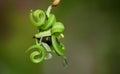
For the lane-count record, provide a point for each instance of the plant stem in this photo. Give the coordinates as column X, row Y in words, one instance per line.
column 48, row 10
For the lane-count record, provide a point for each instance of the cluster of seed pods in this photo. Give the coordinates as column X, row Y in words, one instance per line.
column 50, row 31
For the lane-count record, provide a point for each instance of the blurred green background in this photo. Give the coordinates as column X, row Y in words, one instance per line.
column 92, row 37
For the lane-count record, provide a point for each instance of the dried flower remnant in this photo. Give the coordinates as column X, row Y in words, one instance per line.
column 55, row 2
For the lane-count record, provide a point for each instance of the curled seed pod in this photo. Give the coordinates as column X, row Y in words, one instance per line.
column 43, row 34
column 55, row 2
column 40, row 53
column 57, row 28
column 51, row 20
column 58, row 47
column 37, row 17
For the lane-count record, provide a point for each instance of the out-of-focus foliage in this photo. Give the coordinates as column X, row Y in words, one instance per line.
column 92, row 37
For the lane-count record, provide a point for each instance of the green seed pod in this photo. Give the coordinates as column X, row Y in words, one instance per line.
column 57, row 28
column 58, row 47
column 40, row 53
column 43, row 34
column 37, row 17
column 51, row 20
